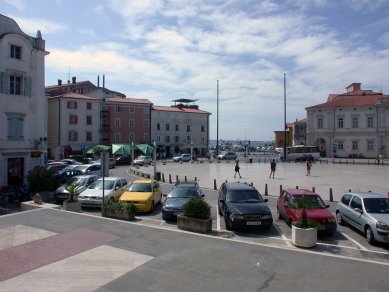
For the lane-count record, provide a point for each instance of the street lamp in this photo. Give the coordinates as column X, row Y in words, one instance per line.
column 132, row 154
column 191, row 151
column 284, row 157
column 155, row 160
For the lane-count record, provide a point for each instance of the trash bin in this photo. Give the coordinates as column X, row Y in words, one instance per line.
column 157, row 176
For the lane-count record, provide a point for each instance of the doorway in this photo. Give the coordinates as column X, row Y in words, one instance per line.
column 15, row 171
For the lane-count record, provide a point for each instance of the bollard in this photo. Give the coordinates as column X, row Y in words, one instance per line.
column 251, row 184
column 170, row 178
column 259, row 160
column 195, row 178
column 163, row 177
column 346, row 161
column 349, row 190
column 176, row 178
column 214, row 184
column 353, row 161
column 368, row 162
column 313, row 189
column 297, row 187
column 185, row 179
column 280, row 189
column 266, row 193
column 331, row 197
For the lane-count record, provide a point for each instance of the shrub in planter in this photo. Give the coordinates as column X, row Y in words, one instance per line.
column 118, row 210
column 40, row 179
column 196, row 208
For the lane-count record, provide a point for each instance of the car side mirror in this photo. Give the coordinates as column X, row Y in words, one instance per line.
column 165, row 195
column 202, row 195
column 327, row 206
column 265, row 200
column 221, row 200
column 358, row 210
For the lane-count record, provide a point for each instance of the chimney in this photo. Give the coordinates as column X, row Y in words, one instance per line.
column 353, row 87
column 74, row 80
column 98, row 80
column 59, row 82
column 103, row 80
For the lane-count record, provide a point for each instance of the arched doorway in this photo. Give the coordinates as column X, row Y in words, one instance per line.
column 322, row 147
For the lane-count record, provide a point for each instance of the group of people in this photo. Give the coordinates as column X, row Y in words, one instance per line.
column 273, row 166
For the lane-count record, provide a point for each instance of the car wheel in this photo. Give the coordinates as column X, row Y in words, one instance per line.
column 289, row 222
column 228, row 224
column 279, row 214
column 339, row 218
column 369, row 235
column 219, row 210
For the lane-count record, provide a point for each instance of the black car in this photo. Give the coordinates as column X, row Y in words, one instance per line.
column 243, row 207
column 123, row 160
column 181, row 193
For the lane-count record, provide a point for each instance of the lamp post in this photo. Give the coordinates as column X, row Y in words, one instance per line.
column 191, row 151
column 132, row 153
column 284, row 157
column 155, row 160
column 217, row 118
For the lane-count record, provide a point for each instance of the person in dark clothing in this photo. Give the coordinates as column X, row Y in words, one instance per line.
column 273, row 166
column 237, row 167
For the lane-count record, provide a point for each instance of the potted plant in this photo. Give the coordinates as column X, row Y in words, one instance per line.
column 304, row 231
column 118, row 210
column 196, row 216
column 72, row 203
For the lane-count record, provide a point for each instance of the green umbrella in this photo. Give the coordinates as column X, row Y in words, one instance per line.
column 146, row 149
column 121, row 149
column 93, row 148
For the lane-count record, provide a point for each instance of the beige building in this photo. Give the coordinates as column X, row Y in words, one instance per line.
column 351, row 124
column 23, row 105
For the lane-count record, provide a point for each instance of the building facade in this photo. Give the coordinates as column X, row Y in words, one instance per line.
column 352, row 124
column 300, row 132
column 23, row 105
column 180, row 129
column 74, row 124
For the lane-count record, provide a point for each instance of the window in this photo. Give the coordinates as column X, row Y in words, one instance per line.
column 177, row 128
column 355, row 122
column 158, row 126
column 188, row 139
column 117, row 122
column 132, row 123
column 131, row 137
column 72, row 104
column 355, row 145
column 16, row 52
column 73, row 119
column 146, row 137
column 202, row 128
column 356, row 202
column 340, row 145
column 15, row 127
column 340, row 123
column 131, row 109
column 117, row 109
column 188, row 128
column 320, row 123
column 88, row 136
column 146, row 123
column 167, row 127
column 117, row 137
column 73, row 136
column 158, row 138
column 167, row 139
column 89, row 120
column 346, row 199
column 88, row 105
column 176, row 139
column 15, row 84
column 146, row 111
column 370, row 145
column 370, row 122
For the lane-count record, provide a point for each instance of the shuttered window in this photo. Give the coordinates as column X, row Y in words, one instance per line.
column 15, row 127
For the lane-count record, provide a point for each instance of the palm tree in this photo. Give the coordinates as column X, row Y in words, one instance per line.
column 72, row 190
column 304, row 204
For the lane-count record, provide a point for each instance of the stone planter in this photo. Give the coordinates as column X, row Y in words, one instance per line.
column 304, row 237
column 117, row 214
column 194, row 224
column 72, row 206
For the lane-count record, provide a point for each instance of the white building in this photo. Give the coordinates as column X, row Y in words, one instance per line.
column 177, row 129
column 74, row 124
column 23, row 105
column 352, row 124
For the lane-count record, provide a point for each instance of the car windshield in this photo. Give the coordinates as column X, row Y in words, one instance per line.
column 377, row 205
column 98, row 185
column 77, row 180
column 183, row 193
column 139, row 187
column 315, row 201
column 82, row 167
column 244, row 196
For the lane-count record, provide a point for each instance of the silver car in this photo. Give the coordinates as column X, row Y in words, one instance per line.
column 368, row 212
column 83, row 181
column 143, row 160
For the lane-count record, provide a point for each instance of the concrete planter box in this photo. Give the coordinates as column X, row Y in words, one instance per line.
column 194, row 224
column 72, row 206
column 117, row 214
column 304, row 237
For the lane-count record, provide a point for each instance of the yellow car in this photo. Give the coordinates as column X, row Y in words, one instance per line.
column 144, row 194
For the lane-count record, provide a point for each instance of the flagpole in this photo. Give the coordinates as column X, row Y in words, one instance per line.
column 285, row 126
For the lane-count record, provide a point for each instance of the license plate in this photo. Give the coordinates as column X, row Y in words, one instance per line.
column 253, row 223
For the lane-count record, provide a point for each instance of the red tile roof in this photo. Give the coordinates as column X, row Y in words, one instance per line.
column 348, row 100
column 179, row 109
column 130, row 100
column 73, row 95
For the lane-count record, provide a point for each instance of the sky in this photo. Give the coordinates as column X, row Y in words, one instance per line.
column 164, row 50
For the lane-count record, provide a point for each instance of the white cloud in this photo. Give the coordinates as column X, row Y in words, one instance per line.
column 32, row 25
column 18, row 4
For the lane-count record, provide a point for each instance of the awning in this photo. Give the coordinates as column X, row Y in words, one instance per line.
column 121, row 149
column 94, row 148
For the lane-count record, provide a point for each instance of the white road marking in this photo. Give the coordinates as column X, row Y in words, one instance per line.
column 354, row 241
column 283, row 236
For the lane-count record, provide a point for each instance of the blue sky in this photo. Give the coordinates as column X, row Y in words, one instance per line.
column 165, row 50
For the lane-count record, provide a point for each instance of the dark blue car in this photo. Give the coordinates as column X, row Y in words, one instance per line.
column 181, row 193
column 243, row 207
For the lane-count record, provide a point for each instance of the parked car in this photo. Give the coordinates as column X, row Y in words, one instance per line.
column 55, row 166
column 143, row 160
column 227, row 156
column 181, row 193
column 65, row 175
column 243, row 207
column 367, row 212
column 182, row 157
column 304, row 157
column 90, row 168
column 145, row 194
column 70, row 161
column 83, row 181
column 123, row 160
column 111, row 187
column 319, row 211
column 111, row 161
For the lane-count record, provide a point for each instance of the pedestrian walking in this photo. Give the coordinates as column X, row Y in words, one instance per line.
column 273, row 166
column 237, row 167
column 309, row 164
